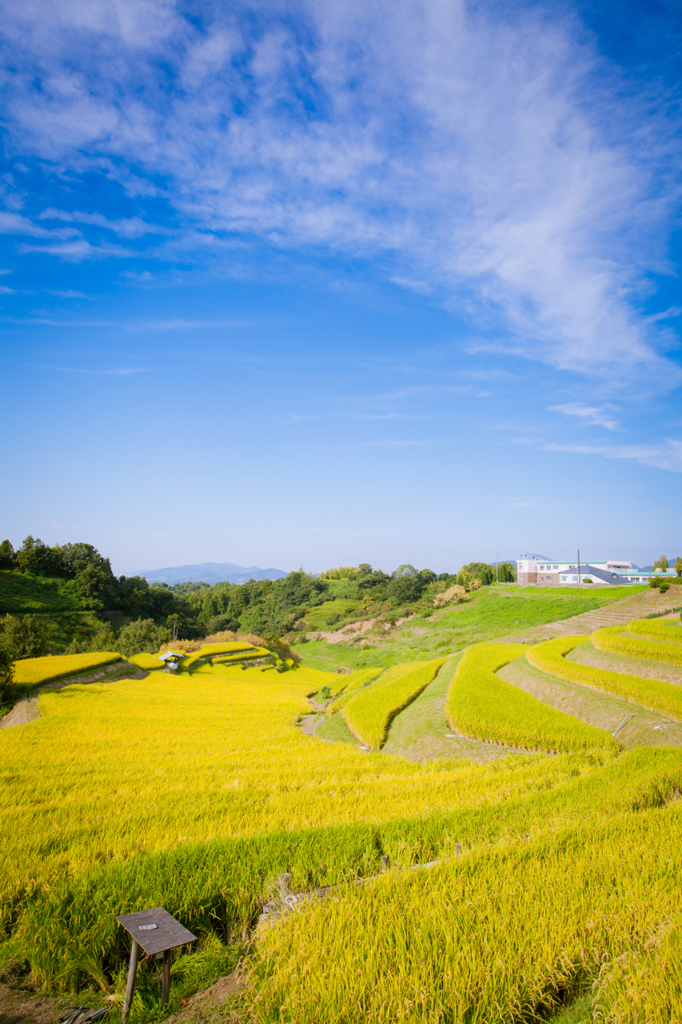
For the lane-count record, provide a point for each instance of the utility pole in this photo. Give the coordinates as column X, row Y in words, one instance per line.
column 578, row 565
column 497, row 560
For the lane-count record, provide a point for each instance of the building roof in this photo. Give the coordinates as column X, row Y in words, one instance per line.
column 591, row 570
column 167, row 655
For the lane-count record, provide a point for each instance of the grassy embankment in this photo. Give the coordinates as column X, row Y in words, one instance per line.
column 493, row 612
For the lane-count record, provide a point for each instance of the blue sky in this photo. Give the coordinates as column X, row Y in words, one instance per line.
column 316, row 284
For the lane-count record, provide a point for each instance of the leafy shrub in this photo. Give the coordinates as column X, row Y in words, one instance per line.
column 454, row 594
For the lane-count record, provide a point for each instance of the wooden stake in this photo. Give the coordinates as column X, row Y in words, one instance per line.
column 165, row 984
column 130, row 987
column 385, row 862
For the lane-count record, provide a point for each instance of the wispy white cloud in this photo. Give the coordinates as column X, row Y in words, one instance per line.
column 183, row 325
column 79, row 250
column 68, row 294
column 129, row 227
column 487, row 157
column 28, row 321
column 589, row 414
column 123, row 372
column 666, row 454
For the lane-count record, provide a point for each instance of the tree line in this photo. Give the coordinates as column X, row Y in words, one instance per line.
column 134, row 615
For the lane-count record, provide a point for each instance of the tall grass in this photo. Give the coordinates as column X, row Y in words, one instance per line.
column 651, row 693
column 369, row 712
column 613, row 638
column 483, row 706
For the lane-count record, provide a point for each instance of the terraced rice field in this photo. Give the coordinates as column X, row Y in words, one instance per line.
column 557, row 843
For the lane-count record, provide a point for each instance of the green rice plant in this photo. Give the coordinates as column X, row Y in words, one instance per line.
column 369, row 712
column 613, row 639
column 501, row 935
column 483, row 706
column 668, row 631
column 31, row 672
column 656, row 694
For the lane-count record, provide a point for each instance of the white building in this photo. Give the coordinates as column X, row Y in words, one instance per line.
column 547, row 572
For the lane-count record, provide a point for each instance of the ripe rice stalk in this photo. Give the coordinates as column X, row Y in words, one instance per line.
column 656, row 694
column 483, row 706
column 615, row 639
column 34, row 671
column 369, row 712
column 671, row 632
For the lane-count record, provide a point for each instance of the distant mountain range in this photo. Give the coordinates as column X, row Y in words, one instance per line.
column 210, row 572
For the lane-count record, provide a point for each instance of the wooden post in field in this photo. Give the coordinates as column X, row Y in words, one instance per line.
column 385, row 862
column 458, row 849
column 165, row 984
column 130, row 987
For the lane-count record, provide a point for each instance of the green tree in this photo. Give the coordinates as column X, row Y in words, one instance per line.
column 133, row 593
column 143, row 635
column 24, row 637
column 506, row 572
column 478, row 571
column 6, row 555
column 37, row 558
column 406, row 585
column 7, row 689
column 662, row 563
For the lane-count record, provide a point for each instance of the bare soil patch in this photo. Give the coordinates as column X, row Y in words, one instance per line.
column 22, row 1006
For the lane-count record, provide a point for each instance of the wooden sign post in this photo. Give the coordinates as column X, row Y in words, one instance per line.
column 154, row 931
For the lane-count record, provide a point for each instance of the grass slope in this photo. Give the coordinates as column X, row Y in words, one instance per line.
column 495, row 611
column 21, row 594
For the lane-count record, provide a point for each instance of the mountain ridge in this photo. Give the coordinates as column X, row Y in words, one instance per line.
column 210, row 572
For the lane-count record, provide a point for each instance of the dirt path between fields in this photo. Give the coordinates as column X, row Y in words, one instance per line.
column 210, row 1006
